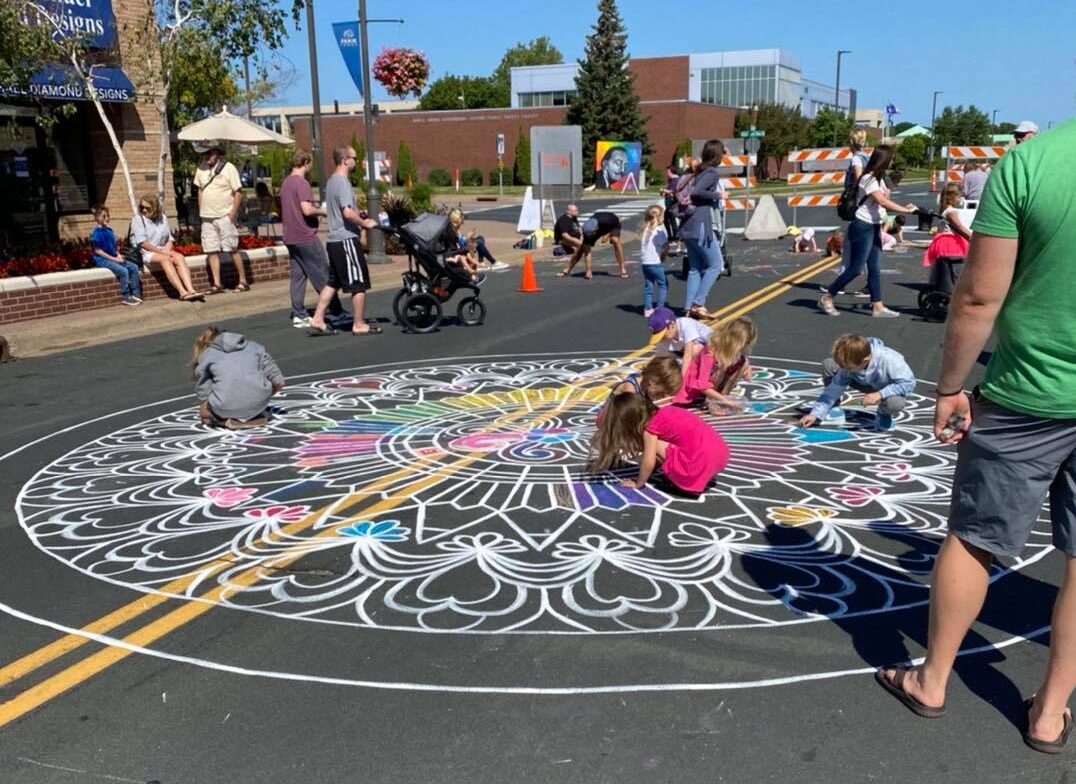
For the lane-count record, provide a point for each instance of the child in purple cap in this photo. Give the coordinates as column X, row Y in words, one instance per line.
column 684, row 336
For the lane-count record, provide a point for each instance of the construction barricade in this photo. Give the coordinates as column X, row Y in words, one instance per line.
column 964, row 154
column 739, row 163
column 825, row 166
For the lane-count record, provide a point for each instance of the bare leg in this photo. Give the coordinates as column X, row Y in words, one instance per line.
column 961, row 578
column 618, row 251
column 358, row 308
column 214, row 269
column 237, row 260
column 588, row 259
column 1047, row 714
column 317, row 321
column 183, row 271
column 169, row 267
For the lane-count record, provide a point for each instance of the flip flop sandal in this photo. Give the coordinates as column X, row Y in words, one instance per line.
column 242, row 287
column 318, row 332
column 373, row 330
column 1047, row 746
column 193, row 297
column 562, row 273
column 624, row 276
column 215, row 290
column 907, row 700
column 588, row 277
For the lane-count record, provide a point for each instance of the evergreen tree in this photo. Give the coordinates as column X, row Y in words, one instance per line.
column 605, row 102
column 406, row 173
column 357, row 178
column 521, row 171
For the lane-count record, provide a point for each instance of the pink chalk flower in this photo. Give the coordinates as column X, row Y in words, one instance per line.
column 282, row 514
column 854, row 495
column 227, row 497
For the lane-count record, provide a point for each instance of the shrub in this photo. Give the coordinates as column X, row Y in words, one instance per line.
column 406, row 173
column 440, row 178
column 521, row 169
column 507, row 177
column 399, row 209
column 422, row 197
column 471, row 177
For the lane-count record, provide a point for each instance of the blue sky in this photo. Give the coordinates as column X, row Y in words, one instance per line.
column 1017, row 57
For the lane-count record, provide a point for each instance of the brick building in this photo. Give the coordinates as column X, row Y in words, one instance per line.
column 51, row 180
column 467, row 138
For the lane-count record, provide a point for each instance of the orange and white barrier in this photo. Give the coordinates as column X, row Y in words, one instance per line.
column 954, row 175
column 734, row 205
column 816, row 178
column 736, row 183
column 823, row 154
column 818, row 200
column 974, row 153
column 739, row 161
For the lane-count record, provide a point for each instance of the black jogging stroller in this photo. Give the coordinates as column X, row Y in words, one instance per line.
column 429, row 281
column 944, row 272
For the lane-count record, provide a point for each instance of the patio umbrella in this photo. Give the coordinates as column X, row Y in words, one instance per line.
column 228, row 127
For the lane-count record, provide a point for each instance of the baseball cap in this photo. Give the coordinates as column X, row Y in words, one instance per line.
column 1026, row 126
column 660, row 319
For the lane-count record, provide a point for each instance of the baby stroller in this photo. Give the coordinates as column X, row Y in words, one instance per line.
column 945, row 257
column 721, row 235
column 428, row 281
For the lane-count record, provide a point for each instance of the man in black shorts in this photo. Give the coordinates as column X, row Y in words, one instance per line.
column 347, row 263
column 598, row 226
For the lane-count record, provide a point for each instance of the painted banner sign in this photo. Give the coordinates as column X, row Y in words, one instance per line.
column 91, row 20
column 347, row 38
column 56, row 83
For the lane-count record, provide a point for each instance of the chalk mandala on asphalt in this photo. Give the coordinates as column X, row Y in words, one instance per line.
column 451, row 497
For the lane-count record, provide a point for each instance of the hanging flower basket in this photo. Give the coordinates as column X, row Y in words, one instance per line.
column 402, row 71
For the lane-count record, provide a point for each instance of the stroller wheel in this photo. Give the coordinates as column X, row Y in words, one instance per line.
column 421, row 312
column 396, row 302
column 727, row 273
column 471, row 312
column 934, row 305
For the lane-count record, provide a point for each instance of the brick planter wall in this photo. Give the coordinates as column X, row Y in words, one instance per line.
column 56, row 293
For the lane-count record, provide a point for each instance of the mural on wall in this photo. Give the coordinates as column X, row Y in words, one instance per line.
column 449, row 497
column 617, row 165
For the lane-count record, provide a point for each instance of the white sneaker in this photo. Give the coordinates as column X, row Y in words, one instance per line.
column 885, row 313
column 136, row 300
column 131, row 301
column 500, row 265
column 300, row 322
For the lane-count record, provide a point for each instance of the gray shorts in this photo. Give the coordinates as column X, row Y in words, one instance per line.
column 1006, row 465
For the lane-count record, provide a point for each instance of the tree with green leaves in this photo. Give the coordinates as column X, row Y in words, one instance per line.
column 831, row 128
column 786, row 130
column 521, row 168
column 459, row 92
column 1005, row 127
column 911, row 153
column 24, row 48
column 540, row 51
column 960, row 126
column 605, row 103
column 358, row 176
column 406, row 173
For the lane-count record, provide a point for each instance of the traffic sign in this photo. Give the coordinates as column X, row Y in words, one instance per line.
column 500, row 144
column 754, row 133
column 752, row 145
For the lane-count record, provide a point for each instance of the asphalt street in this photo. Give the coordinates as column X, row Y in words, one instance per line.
column 406, row 578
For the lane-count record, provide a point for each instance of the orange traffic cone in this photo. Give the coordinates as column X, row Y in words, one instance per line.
column 529, row 285
column 933, row 180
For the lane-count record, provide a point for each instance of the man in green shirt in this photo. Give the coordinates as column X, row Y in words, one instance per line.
column 1017, row 433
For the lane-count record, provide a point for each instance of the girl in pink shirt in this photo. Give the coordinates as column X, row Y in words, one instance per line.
column 688, row 450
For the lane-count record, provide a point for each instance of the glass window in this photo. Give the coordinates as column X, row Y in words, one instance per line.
column 525, row 100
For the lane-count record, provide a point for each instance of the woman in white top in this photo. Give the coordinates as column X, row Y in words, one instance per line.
column 865, row 234
column 150, row 232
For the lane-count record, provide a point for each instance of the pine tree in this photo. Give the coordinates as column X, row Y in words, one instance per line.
column 521, row 171
column 605, row 102
column 405, row 166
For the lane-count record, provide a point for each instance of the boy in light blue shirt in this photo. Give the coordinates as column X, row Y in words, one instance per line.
column 867, row 365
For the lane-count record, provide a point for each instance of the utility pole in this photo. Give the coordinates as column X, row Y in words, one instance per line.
column 933, row 137
column 246, row 79
column 316, row 143
column 837, row 93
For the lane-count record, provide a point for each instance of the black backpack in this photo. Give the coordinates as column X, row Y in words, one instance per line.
column 847, row 205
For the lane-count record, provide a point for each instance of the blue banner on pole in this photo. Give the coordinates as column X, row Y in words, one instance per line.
column 347, row 37
column 61, row 83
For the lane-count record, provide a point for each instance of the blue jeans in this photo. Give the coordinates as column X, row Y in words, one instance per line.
column 864, row 247
column 483, row 251
column 704, row 265
column 654, row 275
column 126, row 273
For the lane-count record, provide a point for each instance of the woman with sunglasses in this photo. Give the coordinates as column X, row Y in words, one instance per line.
column 151, row 233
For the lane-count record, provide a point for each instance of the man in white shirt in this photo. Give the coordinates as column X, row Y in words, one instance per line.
column 219, row 195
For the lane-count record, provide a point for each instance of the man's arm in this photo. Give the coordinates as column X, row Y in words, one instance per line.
column 977, row 300
column 310, row 210
column 237, row 199
column 351, row 215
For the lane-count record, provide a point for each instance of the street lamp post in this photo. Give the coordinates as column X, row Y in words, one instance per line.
column 375, row 239
column 933, row 138
column 837, row 93
column 994, row 121
column 315, row 92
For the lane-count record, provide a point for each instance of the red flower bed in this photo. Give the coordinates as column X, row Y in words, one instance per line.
column 79, row 255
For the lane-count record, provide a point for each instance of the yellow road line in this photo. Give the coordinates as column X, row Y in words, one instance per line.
column 81, row 671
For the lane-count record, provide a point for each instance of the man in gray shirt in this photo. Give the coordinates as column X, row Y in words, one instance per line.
column 975, row 177
column 347, row 262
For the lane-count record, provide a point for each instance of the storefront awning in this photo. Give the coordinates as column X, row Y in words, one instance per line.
column 57, row 83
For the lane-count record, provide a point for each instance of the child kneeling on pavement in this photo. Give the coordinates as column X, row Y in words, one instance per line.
column 867, row 365
column 234, row 379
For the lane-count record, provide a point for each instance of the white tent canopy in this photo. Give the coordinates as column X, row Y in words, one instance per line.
column 227, row 127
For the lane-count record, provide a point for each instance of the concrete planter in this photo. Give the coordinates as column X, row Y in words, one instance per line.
column 56, row 293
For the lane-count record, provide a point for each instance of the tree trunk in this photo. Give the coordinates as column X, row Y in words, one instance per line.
column 166, row 141
column 87, row 81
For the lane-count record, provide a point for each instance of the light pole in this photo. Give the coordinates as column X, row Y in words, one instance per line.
column 994, row 121
column 315, row 92
column 933, row 112
column 837, row 92
column 375, row 239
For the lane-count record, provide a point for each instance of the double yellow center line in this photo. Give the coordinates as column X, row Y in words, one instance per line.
column 193, row 608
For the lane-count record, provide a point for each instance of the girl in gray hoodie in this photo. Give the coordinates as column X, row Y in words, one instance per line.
column 234, row 378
